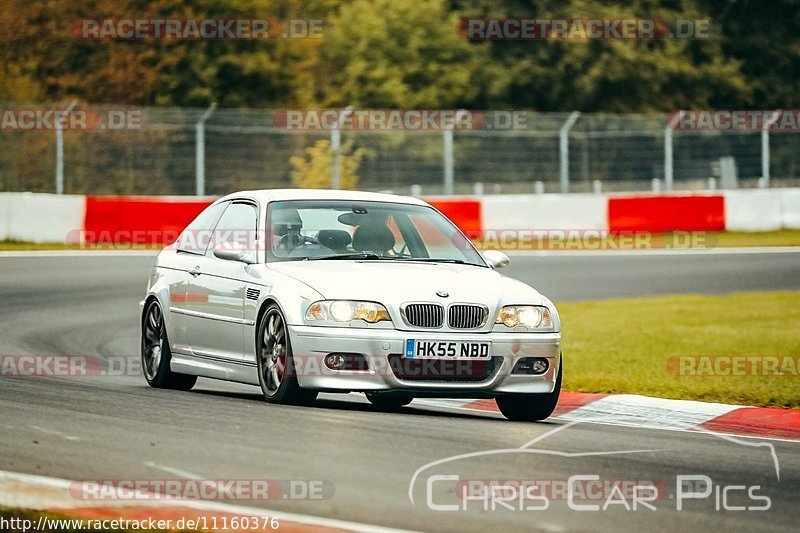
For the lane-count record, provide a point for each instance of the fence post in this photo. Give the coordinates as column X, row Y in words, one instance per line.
column 60, row 149
column 447, row 135
column 200, row 152
column 768, row 122
column 673, row 120
column 336, row 141
column 563, row 149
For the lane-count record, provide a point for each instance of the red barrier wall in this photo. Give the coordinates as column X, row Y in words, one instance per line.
column 666, row 213
column 141, row 220
column 465, row 213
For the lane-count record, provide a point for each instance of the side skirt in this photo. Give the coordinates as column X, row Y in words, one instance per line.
column 211, row 367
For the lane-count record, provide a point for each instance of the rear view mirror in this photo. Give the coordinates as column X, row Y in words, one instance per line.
column 234, row 251
column 495, row 258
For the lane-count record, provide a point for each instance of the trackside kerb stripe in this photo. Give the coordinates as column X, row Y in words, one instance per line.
column 758, row 421
column 659, row 413
column 644, row 411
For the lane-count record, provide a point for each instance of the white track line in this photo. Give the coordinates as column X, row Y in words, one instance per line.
column 56, row 433
column 174, row 471
column 77, row 253
column 754, row 250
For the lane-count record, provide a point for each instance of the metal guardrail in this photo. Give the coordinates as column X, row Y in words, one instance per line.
column 214, row 151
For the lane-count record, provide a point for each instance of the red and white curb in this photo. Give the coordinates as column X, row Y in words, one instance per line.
column 658, row 413
column 25, row 491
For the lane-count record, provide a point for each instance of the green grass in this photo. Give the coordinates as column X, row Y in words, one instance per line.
column 725, row 239
column 13, row 246
column 623, row 346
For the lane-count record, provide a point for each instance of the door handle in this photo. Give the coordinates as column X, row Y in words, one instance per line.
column 195, row 271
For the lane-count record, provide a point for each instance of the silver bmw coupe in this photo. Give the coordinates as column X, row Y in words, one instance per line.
column 307, row 291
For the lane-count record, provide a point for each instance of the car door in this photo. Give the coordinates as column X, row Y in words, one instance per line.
column 216, row 288
column 191, row 244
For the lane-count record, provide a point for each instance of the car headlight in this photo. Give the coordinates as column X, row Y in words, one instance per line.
column 530, row 316
column 346, row 311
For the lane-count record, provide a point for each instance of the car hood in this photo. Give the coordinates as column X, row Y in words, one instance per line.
column 393, row 283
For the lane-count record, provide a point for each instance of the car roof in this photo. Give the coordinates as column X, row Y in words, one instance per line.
column 272, row 195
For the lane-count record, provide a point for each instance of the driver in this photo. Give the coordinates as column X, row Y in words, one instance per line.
column 287, row 226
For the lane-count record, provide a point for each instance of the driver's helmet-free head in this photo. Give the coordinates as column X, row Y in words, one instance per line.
column 286, row 222
column 286, row 226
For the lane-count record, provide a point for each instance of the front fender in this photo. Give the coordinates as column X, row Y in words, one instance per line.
column 158, row 287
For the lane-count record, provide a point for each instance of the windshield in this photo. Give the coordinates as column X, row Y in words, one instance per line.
column 342, row 229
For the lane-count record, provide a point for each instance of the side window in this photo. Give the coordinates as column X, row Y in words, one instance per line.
column 197, row 235
column 238, row 224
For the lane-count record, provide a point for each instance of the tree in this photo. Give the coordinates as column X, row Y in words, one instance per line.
column 397, row 54
column 763, row 37
column 609, row 75
column 406, row 54
column 313, row 169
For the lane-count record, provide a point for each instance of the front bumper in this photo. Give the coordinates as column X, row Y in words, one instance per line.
column 310, row 345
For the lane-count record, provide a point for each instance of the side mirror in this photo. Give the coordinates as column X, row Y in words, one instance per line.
column 234, row 251
column 496, row 259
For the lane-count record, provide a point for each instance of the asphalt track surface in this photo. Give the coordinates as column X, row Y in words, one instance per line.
column 116, row 427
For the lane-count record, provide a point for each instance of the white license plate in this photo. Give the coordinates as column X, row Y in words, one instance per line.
column 427, row 349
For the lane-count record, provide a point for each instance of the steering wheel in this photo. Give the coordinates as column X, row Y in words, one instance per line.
column 305, row 239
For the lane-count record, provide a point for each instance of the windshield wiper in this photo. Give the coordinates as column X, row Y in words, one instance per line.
column 432, row 260
column 376, row 257
column 362, row 255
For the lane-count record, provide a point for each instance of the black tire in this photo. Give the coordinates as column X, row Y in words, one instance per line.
column 389, row 400
column 530, row 407
column 276, row 373
column 156, row 353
